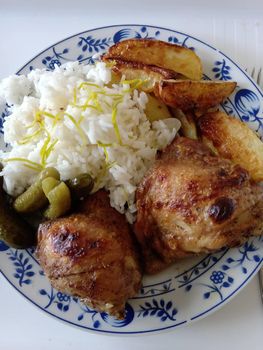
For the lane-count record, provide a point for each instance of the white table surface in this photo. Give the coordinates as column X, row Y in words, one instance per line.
column 26, row 27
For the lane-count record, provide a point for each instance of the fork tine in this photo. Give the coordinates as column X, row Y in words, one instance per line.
column 253, row 72
column 259, row 77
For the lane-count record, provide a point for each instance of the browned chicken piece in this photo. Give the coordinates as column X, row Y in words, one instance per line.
column 192, row 202
column 92, row 255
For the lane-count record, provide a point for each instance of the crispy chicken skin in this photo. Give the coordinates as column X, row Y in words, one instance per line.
column 192, row 202
column 91, row 255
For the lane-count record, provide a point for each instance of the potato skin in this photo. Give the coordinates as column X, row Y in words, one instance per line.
column 156, row 109
column 233, row 140
column 158, row 53
column 188, row 125
column 135, row 70
column 198, row 96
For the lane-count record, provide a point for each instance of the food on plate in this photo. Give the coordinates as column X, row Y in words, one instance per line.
column 92, row 255
column 59, row 199
column 95, row 152
column 150, row 75
column 14, row 230
column 156, row 109
column 192, row 202
column 71, row 120
column 46, row 189
column 234, row 140
column 48, row 184
column 187, row 119
column 34, row 197
column 198, row 96
column 80, row 186
column 158, row 53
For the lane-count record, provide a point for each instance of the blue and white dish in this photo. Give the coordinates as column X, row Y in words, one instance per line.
column 188, row 290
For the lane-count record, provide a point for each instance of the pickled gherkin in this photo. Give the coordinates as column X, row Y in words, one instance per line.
column 48, row 184
column 31, row 200
column 80, row 186
column 49, row 172
column 60, row 201
column 34, row 197
column 15, row 231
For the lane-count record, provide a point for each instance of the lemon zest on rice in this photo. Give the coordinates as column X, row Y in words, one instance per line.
column 79, row 129
column 28, row 163
column 29, row 138
column 86, row 84
column 104, row 146
column 134, row 84
column 47, row 148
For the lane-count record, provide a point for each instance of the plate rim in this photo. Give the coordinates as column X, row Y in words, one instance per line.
column 201, row 316
column 149, row 26
column 221, row 303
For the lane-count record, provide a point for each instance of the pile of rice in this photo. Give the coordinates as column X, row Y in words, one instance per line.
column 71, row 120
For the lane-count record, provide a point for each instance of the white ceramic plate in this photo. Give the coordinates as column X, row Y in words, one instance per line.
column 188, row 290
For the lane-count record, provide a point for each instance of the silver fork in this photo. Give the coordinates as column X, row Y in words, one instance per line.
column 257, row 77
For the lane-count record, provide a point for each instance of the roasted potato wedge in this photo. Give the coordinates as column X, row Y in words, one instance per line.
column 188, row 126
column 158, row 53
column 156, row 109
column 234, row 140
column 189, row 95
column 134, row 70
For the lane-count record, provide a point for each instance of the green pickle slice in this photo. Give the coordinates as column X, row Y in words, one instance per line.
column 48, row 184
column 60, row 201
column 34, row 197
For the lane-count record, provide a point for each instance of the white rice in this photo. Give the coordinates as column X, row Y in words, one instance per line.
column 87, row 139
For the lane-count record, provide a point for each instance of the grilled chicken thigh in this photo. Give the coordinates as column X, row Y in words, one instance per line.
column 91, row 255
column 192, row 202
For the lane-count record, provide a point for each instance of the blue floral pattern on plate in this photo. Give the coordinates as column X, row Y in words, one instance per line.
column 189, row 289
column 222, row 70
column 23, row 269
